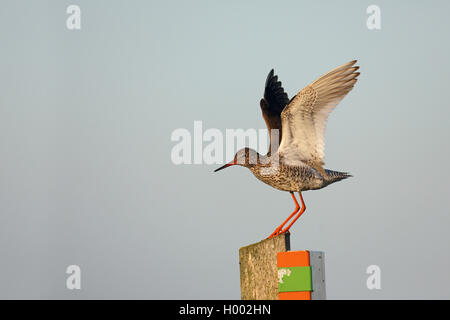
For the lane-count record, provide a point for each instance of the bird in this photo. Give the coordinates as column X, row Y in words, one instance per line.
column 296, row 127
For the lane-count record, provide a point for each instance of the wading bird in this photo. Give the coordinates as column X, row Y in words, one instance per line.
column 297, row 164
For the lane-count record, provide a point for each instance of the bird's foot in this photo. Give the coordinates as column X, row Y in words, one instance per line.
column 277, row 232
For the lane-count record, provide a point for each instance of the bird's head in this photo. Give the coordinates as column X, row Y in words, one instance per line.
column 245, row 157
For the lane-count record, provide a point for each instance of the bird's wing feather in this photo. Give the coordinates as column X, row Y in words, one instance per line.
column 273, row 103
column 304, row 119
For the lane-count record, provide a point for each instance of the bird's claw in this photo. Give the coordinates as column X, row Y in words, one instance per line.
column 277, row 232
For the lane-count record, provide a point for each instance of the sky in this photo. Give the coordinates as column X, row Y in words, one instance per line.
column 86, row 119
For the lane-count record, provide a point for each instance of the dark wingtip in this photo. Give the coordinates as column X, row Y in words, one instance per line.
column 269, row 76
column 274, row 94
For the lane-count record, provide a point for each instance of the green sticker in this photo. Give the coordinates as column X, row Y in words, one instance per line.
column 294, row 279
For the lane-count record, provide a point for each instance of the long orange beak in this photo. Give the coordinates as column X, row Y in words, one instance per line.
column 229, row 164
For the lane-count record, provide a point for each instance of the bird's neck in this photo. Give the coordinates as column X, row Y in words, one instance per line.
column 262, row 161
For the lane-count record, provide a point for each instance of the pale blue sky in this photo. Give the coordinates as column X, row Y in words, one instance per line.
column 86, row 118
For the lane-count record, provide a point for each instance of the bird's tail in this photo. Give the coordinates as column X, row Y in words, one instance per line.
column 334, row 176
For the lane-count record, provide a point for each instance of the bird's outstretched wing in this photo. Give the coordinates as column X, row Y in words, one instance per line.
column 273, row 103
column 304, row 119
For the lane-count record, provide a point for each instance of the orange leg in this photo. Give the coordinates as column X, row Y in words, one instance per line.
column 279, row 230
column 299, row 214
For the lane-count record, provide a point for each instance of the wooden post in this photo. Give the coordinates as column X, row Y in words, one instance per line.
column 258, row 268
column 270, row 271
